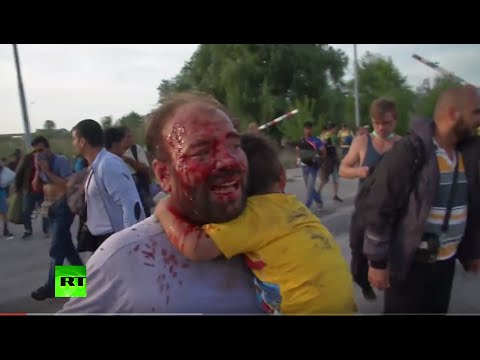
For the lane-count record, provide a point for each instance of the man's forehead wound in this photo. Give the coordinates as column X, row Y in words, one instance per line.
column 190, row 118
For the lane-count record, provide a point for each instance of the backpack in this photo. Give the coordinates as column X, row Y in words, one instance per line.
column 358, row 223
column 309, row 154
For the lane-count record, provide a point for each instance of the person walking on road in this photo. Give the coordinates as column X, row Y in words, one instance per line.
column 51, row 174
column 329, row 167
column 365, row 153
column 111, row 198
column 310, row 154
column 32, row 198
column 422, row 213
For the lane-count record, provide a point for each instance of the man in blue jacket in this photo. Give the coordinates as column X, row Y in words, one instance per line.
column 111, row 197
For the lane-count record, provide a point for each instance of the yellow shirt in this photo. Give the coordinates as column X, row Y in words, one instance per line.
column 299, row 267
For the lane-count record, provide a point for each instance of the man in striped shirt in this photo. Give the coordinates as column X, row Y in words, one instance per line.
column 422, row 213
column 451, row 237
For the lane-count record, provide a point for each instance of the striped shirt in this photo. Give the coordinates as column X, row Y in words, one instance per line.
column 450, row 240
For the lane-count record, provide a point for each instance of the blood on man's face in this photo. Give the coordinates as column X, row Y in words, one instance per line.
column 207, row 175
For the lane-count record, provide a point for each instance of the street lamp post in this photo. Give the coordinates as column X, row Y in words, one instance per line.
column 23, row 102
column 355, row 72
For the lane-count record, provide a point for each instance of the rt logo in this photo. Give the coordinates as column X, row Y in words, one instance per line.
column 70, row 281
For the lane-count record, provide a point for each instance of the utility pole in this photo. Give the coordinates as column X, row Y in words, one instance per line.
column 23, row 102
column 355, row 72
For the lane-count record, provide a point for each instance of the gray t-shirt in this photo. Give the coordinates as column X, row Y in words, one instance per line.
column 137, row 270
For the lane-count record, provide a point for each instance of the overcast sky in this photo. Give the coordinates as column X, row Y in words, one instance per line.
column 68, row 83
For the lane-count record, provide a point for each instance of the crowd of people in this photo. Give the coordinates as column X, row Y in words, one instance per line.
column 107, row 186
column 417, row 201
column 414, row 212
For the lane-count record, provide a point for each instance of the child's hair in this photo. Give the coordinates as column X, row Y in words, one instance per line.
column 264, row 167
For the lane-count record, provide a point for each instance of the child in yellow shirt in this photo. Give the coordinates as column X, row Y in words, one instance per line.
column 298, row 266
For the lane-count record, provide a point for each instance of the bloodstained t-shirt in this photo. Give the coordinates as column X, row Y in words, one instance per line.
column 137, row 270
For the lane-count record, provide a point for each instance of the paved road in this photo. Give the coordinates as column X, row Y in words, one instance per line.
column 24, row 264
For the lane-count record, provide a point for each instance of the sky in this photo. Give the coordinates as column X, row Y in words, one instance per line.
column 69, row 83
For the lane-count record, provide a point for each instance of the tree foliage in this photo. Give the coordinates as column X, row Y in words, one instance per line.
column 427, row 94
column 261, row 82
column 378, row 76
column 293, row 127
column 132, row 120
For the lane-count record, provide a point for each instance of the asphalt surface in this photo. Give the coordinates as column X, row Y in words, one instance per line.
column 24, row 263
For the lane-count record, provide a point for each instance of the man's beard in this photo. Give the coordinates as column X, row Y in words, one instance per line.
column 195, row 204
column 462, row 130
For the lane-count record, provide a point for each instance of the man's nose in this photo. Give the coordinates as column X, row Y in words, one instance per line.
column 225, row 159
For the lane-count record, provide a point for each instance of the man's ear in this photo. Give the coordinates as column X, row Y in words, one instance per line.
column 162, row 174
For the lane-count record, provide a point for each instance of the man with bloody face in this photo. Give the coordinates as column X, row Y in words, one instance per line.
column 199, row 161
column 202, row 165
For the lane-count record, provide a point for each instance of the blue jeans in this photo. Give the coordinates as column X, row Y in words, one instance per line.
column 309, row 176
column 61, row 219
column 28, row 205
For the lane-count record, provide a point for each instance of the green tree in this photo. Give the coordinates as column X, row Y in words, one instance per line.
column 293, row 127
column 49, row 125
column 132, row 120
column 106, row 121
column 259, row 82
column 378, row 77
column 427, row 95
